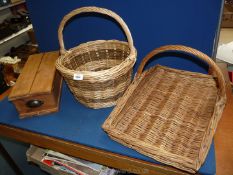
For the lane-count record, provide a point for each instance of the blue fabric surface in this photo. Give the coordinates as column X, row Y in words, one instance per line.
column 77, row 123
column 152, row 23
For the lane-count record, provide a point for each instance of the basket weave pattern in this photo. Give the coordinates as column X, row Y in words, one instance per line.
column 168, row 114
column 106, row 65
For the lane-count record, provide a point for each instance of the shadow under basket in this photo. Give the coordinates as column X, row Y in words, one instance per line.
column 97, row 72
column 170, row 115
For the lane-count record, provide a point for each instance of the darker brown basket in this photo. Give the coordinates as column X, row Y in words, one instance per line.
column 97, row 72
column 170, row 115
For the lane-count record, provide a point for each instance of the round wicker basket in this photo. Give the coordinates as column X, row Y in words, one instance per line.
column 97, row 72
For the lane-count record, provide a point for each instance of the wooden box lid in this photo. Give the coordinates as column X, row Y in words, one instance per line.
column 37, row 76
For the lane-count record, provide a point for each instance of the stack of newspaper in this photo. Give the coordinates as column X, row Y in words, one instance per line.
column 59, row 164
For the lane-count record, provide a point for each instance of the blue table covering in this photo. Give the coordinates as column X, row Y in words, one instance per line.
column 152, row 24
column 79, row 124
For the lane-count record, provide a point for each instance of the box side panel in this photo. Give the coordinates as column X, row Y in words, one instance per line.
column 57, row 88
column 44, row 79
column 26, row 78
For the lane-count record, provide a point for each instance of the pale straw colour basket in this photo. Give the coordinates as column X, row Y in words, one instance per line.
column 168, row 114
column 97, row 72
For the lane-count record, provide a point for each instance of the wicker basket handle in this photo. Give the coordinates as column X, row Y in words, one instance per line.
column 96, row 10
column 214, row 68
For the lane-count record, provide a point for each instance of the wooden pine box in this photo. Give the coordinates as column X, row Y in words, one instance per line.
column 38, row 88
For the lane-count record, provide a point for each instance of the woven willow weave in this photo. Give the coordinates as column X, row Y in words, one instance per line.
column 106, row 66
column 168, row 114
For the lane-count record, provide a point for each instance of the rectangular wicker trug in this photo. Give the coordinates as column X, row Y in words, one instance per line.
column 170, row 115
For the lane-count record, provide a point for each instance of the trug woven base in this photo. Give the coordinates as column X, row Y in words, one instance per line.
column 169, row 115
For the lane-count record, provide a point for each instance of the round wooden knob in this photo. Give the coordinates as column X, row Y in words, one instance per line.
column 34, row 103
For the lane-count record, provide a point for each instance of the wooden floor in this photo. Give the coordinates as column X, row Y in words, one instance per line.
column 224, row 135
column 224, row 141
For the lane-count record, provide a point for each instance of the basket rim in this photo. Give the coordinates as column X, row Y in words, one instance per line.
column 127, row 63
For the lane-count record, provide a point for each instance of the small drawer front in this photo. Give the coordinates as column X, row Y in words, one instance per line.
column 37, row 105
